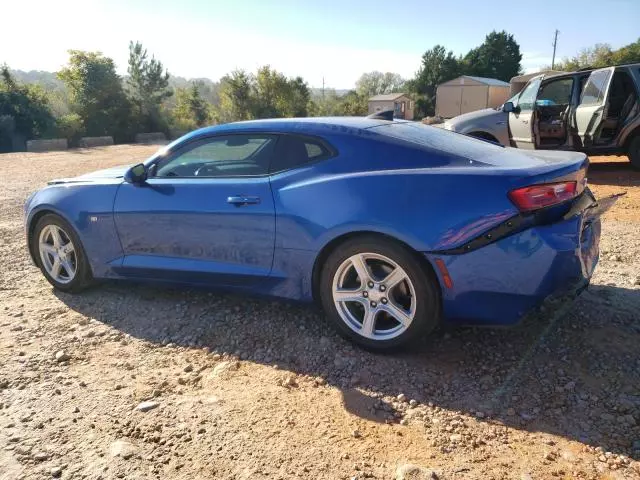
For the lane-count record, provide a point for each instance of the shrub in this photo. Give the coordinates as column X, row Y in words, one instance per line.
column 70, row 126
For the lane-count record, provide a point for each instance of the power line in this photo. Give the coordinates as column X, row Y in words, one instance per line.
column 555, row 43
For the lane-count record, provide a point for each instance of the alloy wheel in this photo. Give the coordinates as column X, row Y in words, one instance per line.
column 58, row 254
column 374, row 296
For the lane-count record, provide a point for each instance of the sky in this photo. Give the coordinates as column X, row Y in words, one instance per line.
column 337, row 40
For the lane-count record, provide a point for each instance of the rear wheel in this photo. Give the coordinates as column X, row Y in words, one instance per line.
column 60, row 255
column 634, row 152
column 376, row 293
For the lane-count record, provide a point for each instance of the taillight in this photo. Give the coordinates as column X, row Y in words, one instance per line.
column 540, row 196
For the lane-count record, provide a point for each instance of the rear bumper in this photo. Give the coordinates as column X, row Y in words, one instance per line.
column 500, row 282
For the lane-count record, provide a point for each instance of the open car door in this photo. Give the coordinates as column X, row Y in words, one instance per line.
column 592, row 109
column 521, row 119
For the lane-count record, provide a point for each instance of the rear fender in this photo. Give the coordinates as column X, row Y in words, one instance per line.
column 408, row 206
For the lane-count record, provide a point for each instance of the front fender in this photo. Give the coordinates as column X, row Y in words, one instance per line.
column 88, row 208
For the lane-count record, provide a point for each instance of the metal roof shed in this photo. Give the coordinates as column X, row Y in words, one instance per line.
column 518, row 83
column 467, row 94
column 400, row 103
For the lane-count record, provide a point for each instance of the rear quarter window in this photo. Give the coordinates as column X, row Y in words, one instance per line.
column 293, row 151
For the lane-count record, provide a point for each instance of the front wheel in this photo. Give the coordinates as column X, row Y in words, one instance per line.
column 377, row 294
column 60, row 255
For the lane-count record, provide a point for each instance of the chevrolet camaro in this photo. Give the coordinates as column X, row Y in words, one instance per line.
column 392, row 226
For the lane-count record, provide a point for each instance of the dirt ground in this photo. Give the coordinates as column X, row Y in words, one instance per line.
column 135, row 382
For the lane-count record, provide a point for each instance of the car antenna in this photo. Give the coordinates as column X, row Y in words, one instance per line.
column 383, row 115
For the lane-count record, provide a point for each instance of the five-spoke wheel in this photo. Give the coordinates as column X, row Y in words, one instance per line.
column 374, row 296
column 59, row 254
column 378, row 293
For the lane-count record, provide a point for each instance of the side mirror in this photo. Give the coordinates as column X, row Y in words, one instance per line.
column 508, row 107
column 136, row 174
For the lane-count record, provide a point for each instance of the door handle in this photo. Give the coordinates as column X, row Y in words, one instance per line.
column 525, row 121
column 241, row 200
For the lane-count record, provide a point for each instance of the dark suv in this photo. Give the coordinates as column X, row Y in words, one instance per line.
column 594, row 111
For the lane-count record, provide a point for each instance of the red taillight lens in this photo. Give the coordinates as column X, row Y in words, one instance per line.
column 540, row 196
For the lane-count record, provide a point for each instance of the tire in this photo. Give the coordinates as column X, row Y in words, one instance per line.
column 79, row 275
column 634, row 152
column 415, row 298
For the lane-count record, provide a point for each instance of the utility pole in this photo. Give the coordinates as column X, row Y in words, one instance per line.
column 322, row 88
column 555, row 42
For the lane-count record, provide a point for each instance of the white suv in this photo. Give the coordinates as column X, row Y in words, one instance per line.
column 594, row 111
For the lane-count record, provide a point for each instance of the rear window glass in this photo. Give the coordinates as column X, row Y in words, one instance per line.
column 442, row 147
column 434, row 138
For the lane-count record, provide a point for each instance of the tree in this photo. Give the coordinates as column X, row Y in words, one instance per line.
column 331, row 104
column 97, row 95
column 191, row 111
column 270, row 93
column 24, row 110
column 353, row 104
column 437, row 66
column 70, row 126
column 498, row 57
column 148, row 84
column 236, row 96
column 299, row 98
column 627, row 54
column 267, row 94
column 326, row 106
column 377, row 83
column 601, row 55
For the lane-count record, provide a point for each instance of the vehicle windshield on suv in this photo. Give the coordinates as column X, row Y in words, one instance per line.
column 594, row 111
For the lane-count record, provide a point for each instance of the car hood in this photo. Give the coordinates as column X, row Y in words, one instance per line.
column 477, row 115
column 99, row 175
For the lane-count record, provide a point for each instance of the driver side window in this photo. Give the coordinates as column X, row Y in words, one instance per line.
column 557, row 92
column 528, row 95
column 223, row 156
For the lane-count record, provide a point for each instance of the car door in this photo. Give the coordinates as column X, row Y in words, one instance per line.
column 522, row 118
column 204, row 215
column 591, row 111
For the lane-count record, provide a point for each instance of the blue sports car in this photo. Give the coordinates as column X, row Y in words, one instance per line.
column 392, row 226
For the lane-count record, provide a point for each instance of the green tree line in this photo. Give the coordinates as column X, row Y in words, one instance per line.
column 88, row 98
column 601, row 55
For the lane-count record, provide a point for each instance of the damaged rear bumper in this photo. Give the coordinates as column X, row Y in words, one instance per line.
column 498, row 283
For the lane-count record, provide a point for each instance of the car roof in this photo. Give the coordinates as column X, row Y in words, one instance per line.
column 587, row 70
column 295, row 125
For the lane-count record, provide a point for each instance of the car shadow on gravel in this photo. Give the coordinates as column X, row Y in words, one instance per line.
column 613, row 173
column 574, row 372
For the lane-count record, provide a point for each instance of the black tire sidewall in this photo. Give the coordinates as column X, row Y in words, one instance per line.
column 634, row 152
column 426, row 288
column 83, row 272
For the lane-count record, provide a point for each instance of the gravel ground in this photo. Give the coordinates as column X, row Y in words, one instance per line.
column 136, row 382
